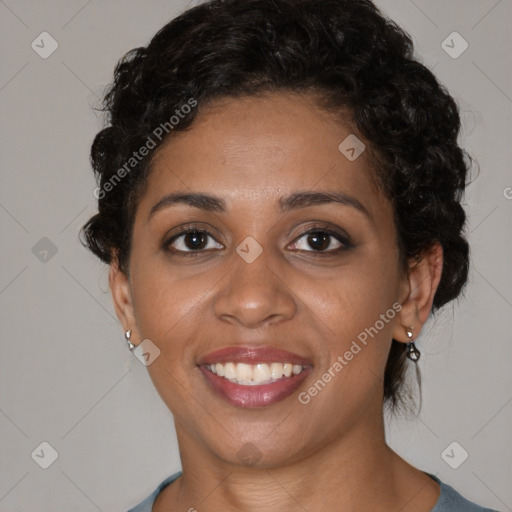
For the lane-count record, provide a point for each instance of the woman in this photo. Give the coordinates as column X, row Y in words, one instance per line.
column 279, row 203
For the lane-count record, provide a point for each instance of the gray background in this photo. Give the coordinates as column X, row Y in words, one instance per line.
column 66, row 376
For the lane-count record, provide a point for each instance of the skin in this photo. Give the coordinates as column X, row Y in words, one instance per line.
column 251, row 152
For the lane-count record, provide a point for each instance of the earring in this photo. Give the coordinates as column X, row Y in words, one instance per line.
column 410, row 350
column 128, row 335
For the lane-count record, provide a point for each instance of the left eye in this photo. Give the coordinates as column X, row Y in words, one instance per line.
column 320, row 241
column 191, row 241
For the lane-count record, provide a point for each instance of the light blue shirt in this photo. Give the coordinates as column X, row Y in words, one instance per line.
column 449, row 500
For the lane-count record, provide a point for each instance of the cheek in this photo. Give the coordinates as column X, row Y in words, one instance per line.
column 165, row 303
column 355, row 348
column 171, row 312
column 353, row 298
column 356, row 306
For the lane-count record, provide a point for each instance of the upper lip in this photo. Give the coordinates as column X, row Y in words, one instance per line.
column 253, row 355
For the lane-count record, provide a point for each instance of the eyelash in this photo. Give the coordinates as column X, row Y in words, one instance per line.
column 341, row 237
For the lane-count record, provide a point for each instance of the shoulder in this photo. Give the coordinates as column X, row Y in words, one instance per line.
column 147, row 504
column 451, row 501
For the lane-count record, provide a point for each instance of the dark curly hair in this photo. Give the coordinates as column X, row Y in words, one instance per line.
column 344, row 51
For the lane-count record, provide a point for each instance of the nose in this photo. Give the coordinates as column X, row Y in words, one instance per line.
column 254, row 294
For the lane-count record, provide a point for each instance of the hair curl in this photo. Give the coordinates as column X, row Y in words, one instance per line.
column 346, row 51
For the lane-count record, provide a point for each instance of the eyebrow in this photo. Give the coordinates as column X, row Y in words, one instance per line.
column 293, row 201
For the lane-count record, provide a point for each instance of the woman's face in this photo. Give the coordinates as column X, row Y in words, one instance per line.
column 251, row 280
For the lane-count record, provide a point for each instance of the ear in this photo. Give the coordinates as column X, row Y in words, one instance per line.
column 418, row 290
column 121, row 294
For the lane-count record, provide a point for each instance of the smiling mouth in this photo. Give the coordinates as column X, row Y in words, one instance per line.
column 255, row 374
column 253, row 385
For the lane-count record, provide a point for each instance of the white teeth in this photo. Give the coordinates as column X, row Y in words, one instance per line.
column 243, row 371
column 220, row 369
column 297, row 368
column 261, row 372
column 230, row 371
column 250, row 375
column 276, row 370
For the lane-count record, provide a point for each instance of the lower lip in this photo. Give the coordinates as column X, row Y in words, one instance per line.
column 254, row 396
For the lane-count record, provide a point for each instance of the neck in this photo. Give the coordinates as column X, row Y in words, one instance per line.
column 356, row 471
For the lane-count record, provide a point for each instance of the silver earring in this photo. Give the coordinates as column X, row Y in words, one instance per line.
column 410, row 350
column 128, row 335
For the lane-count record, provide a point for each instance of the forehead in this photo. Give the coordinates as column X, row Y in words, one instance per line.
column 255, row 148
